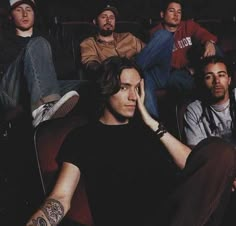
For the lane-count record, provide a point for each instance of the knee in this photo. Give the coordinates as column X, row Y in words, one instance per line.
column 164, row 35
column 217, row 152
column 38, row 43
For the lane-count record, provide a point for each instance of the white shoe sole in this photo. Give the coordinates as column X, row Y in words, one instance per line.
column 61, row 108
column 70, row 99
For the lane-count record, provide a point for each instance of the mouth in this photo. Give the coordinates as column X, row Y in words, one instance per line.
column 131, row 107
column 175, row 19
column 108, row 26
column 218, row 90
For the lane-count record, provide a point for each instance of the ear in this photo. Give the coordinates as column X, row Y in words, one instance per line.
column 230, row 80
column 161, row 14
column 10, row 17
column 94, row 22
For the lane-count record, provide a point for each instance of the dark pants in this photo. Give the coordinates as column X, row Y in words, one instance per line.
column 204, row 189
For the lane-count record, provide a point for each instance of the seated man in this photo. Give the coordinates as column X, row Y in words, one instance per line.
column 214, row 113
column 188, row 37
column 126, row 176
column 28, row 69
column 153, row 58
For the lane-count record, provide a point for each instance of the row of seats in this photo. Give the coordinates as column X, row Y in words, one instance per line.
column 69, row 34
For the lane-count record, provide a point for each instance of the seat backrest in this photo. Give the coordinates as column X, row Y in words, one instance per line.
column 48, row 138
column 180, row 109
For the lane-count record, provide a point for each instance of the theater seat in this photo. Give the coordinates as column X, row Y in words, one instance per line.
column 48, row 137
column 180, row 109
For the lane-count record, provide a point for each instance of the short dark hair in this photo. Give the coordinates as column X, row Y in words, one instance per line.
column 213, row 60
column 165, row 4
column 110, row 71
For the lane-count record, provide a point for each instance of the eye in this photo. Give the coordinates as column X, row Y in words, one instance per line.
column 222, row 75
column 208, row 77
column 123, row 88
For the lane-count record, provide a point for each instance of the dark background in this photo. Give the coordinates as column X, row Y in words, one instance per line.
column 134, row 9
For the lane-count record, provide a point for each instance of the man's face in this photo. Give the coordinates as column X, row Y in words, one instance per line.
column 217, row 81
column 173, row 14
column 23, row 17
column 106, row 22
column 122, row 105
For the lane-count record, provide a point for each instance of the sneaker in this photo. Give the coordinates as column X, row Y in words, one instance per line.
column 55, row 109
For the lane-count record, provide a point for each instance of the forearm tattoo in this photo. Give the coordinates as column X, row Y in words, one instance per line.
column 53, row 210
column 38, row 222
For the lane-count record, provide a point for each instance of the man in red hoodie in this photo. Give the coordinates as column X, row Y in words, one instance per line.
column 187, row 34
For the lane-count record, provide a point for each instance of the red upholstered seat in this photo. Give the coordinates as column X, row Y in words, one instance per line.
column 48, row 137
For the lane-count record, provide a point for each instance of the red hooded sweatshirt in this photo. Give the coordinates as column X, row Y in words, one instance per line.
column 186, row 32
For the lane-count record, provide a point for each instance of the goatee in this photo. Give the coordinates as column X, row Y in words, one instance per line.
column 105, row 32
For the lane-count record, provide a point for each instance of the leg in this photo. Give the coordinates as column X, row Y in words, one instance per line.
column 33, row 69
column 157, row 52
column 40, row 73
column 13, row 89
column 34, row 66
column 205, row 188
column 180, row 83
column 155, row 60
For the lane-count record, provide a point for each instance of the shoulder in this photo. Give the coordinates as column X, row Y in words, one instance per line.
column 122, row 35
column 88, row 40
column 127, row 36
column 189, row 24
column 157, row 27
column 76, row 133
column 195, row 106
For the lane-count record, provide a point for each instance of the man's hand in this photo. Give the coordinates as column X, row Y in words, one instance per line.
column 234, row 185
column 210, row 49
column 140, row 100
column 148, row 120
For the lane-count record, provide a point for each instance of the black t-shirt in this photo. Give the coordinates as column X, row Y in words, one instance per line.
column 125, row 172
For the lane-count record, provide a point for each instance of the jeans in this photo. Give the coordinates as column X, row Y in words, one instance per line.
column 204, row 189
column 33, row 73
column 181, row 82
column 155, row 61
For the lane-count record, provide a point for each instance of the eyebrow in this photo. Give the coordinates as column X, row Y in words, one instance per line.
column 22, row 7
column 174, row 9
column 218, row 72
column 128, row 84
column 125, row 84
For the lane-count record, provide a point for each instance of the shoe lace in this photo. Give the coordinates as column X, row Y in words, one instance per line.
column 47, row 107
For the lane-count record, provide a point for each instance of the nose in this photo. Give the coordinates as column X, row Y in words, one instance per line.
column 24, row 13
column 216, row 79
column 132, row 95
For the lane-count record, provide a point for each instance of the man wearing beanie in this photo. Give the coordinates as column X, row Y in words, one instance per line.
column 153, row 57
column 28, row 65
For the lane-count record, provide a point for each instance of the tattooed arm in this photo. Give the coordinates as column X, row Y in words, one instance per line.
column 58, row 203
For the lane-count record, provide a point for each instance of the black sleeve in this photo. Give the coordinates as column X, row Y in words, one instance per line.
column 69, row 150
